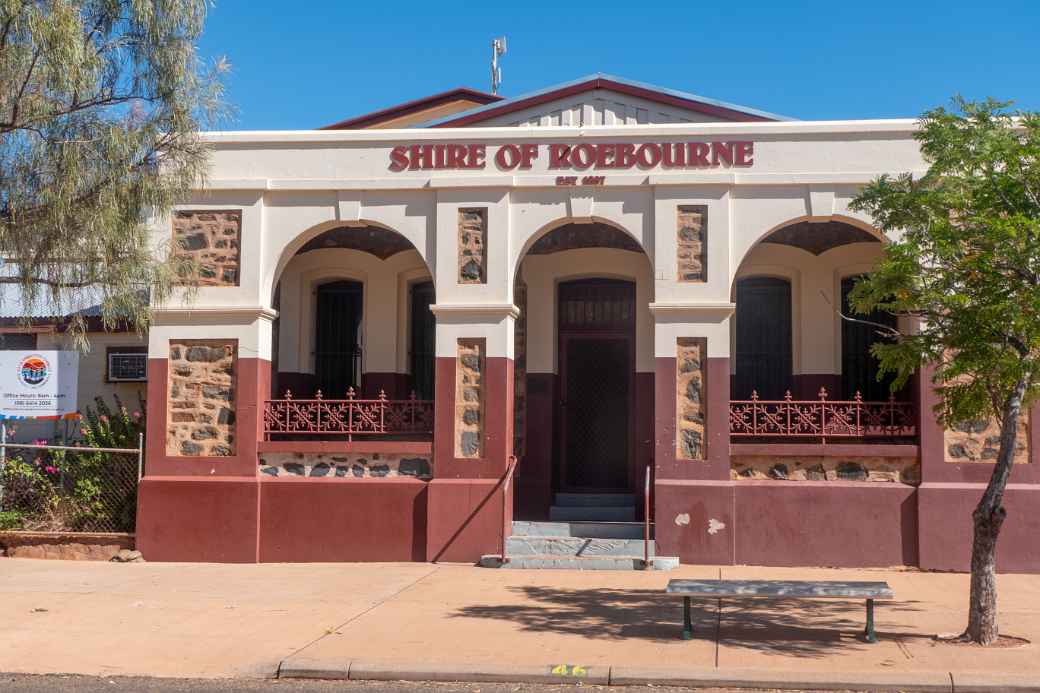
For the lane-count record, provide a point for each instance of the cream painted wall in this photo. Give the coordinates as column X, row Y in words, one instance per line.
column 815, row 296
column 542, row 273
column 384, row 326
column 294, row 185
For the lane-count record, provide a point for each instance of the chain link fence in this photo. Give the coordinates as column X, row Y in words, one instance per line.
column 60, row 488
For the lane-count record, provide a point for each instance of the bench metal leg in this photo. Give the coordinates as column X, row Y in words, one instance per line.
column 687, row 632
column 868, row 633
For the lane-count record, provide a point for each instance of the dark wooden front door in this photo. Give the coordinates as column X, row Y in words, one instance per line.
column 596, row 357
column 337, row 352
column 763, row 349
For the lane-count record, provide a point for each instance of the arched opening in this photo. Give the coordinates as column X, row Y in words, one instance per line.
column 354, row 324
column 790, row 293
column 584, row 367
column 809, row 370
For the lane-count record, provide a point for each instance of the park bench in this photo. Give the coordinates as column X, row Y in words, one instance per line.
column 779, row 589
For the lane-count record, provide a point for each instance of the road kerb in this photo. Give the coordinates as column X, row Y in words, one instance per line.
column 479, row 673
column 984, row 682
column 920, row 682
column 304, row 667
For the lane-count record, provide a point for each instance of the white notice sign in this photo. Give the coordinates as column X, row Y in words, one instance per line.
column 38, row 384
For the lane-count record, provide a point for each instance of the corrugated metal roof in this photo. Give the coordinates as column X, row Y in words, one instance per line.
column 14, row 306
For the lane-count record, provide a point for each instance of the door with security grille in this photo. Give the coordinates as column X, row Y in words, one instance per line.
column 596, row 323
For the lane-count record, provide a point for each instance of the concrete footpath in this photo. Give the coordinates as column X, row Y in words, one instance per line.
column 453, row 622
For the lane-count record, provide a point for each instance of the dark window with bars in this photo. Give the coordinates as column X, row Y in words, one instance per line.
column 859, row 367
column 423, row 334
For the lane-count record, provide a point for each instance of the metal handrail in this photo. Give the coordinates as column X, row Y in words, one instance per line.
column 646, row 520
column 506, row 480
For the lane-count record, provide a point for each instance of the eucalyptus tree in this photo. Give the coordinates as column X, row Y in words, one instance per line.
column 101, row 102
column 966, row 267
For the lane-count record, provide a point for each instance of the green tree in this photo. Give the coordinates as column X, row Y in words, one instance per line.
column 101, row 102
column 966, row 265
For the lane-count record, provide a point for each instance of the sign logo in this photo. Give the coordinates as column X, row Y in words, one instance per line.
column 34, row 370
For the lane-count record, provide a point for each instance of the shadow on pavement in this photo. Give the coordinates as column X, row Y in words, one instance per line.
column 805, row 628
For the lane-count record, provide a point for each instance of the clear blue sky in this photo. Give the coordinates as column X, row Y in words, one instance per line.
column 312, row 62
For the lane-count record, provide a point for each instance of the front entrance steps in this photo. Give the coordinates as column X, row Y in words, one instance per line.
column 590, row 539
column 593, row 507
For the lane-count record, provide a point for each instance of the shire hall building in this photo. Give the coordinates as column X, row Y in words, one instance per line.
column 469, row 328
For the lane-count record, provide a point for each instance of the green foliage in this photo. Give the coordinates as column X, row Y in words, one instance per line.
column 10, row 519
column 101, row 102
column 104, row 483
column 55, row 490
column 966, row 261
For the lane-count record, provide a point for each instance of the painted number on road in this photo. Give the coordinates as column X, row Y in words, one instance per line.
column 572, row 670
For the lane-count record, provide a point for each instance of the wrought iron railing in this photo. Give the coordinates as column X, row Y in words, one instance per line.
column 347, row 417
column 821, row 419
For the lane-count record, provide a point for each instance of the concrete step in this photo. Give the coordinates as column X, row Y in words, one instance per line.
column 595, row 499
column 585, row 530
column 592, row 513
column 579, row 563
column 574, row 546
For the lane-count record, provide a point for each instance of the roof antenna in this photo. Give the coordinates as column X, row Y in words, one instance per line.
column 498, row 47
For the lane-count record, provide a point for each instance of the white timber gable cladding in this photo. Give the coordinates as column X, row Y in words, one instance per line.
column 599, row 107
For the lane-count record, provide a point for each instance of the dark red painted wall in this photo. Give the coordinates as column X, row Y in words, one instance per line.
column 209, row 519
column 466, row 519
column 535, row 478
column 331, row 520
column 683, row 511
column 826, row 523
column 946, row 527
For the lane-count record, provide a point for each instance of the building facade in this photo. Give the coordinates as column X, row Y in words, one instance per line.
column 604, row 282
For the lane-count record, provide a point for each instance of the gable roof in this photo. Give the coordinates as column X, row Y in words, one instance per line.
column 462, row 95
column 650, row 92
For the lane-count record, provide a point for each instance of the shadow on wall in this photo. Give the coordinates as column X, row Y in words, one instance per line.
column 804, row 628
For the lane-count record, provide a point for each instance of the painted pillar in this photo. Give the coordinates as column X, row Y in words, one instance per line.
column 950, row 489
column 199, row 499
column 693, row 495
column 473, row 432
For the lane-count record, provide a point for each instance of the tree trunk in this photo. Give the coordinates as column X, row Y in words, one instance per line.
column 987, row 519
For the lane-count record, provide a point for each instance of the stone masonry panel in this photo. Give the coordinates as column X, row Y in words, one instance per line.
column 979, row 441
column 469, row 399
column 689, row 399
column 472, row 245
column 905, row 470
column 200, row 404
column 691, row 243
column 352, row 465
column 211, row 239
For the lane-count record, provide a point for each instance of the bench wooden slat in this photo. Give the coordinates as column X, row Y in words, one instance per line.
column 781, row 589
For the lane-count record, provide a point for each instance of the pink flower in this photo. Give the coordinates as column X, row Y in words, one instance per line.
column 41, row 441
column 51, row 470
column 83, row 431
column 103, row 418
column 137, row 415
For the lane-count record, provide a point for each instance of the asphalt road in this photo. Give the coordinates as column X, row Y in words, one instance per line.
column 90, row 684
